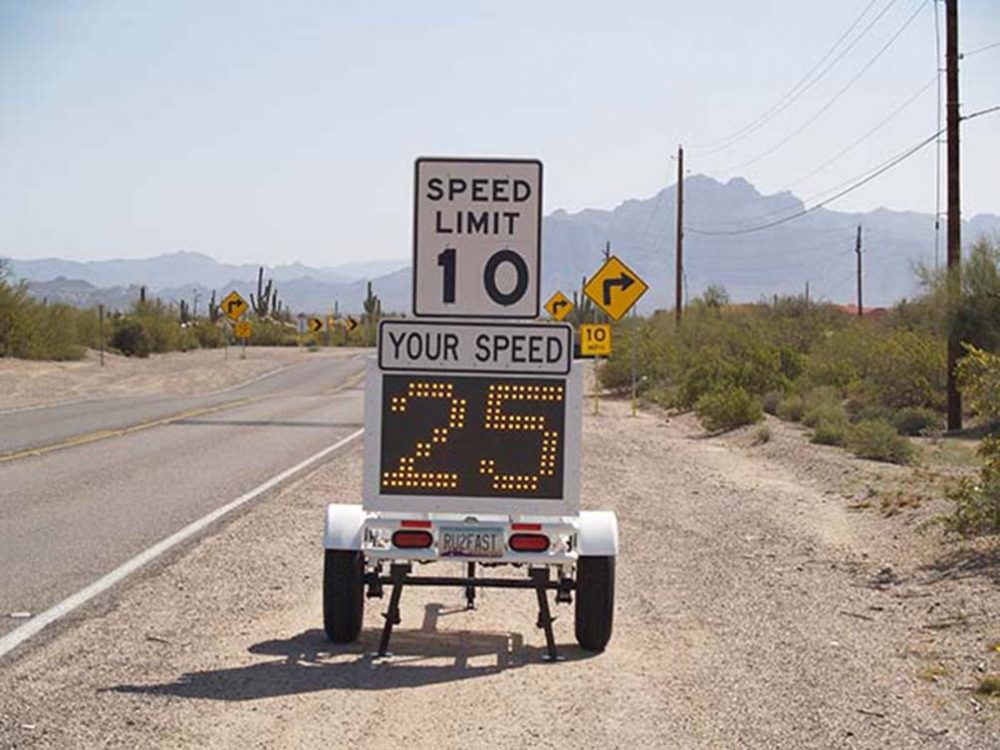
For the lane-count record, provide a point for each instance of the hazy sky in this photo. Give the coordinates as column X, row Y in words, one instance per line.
column 285, row 131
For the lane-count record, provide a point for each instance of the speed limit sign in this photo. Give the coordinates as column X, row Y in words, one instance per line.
column 477, row 237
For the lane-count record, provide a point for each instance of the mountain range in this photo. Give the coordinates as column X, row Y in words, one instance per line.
column 817, row 248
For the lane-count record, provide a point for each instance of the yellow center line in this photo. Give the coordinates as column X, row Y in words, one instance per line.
column 92, row 437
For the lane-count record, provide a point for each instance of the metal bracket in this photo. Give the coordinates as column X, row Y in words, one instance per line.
column 539, row 580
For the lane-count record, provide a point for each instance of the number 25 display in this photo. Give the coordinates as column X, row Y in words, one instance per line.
column 473, row 437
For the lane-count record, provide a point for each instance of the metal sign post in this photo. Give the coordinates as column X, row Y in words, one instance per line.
column 635, row 357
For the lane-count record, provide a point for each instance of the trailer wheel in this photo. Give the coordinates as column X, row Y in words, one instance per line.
column 343, row 594
column 595, row 601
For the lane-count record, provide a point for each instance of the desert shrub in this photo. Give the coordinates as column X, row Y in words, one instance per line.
column 878, row 440
column 727, row 408
column 791, row 408
column 909, row 369
column 916, row 420
column 664, row 396
column 208, row 335
column 863, row 405
column 130, row 338
column 655, row 355
column 273, row 333
column 162, row 328
column 771, row 401
column 979, row 377
column 975, row 316
column 830, row 432
column 762, row 435
column 977, row 499
column 32, row 330
column 822, row 404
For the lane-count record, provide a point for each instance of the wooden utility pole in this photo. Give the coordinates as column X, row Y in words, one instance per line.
column 679, row 289
column 954, row 210
column 857, row 251
column 807, row 294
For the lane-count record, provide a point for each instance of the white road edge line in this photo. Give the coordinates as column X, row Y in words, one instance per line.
column 33, row 626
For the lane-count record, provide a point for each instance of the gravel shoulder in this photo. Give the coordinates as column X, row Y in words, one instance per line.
column 26, row 383
column 756, row 608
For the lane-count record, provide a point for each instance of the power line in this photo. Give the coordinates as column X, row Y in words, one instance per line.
column 981, row 112
column 892, row 115
column 879, row 171
column 867, row 66
column 843, row 152
column 977, row 50
column 795, row 92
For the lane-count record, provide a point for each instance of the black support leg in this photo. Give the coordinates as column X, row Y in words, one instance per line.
column 470, row 591
column 398, row 574
column 545, row 619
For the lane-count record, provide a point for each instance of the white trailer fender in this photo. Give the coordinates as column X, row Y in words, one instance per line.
column 344, row 524
column 598, row 533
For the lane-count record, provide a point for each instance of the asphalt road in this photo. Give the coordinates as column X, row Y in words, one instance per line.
column 32, row 428
column 71, row 515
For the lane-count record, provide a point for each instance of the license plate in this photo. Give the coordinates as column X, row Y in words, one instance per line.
column 470, row 541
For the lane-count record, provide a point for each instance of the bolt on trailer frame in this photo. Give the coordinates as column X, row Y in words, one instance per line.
column 477, row 469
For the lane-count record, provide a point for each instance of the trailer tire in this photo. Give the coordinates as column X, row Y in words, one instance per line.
column 595, row 601
column 343, row 594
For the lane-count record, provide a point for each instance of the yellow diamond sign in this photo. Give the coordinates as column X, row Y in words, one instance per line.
column 233, row 305
column 558, row 306
column 615, row 288
column 242, row 330
column 595, row 340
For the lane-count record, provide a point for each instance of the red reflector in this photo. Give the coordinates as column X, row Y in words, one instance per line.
column 411, row 539
column 528, row 542
column 526, row 526
column 415, row 524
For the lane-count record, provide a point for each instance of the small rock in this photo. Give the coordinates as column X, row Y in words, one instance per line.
column 20, row 615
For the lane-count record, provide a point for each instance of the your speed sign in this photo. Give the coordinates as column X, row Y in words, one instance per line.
column 476, row 237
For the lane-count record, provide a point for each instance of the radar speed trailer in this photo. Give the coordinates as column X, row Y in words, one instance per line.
column 472, row 427
column 478, row 464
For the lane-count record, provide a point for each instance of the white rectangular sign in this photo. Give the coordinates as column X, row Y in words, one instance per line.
column 524, row 348
column 477, row 237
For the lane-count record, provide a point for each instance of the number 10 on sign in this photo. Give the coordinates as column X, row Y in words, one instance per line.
column 477, row 237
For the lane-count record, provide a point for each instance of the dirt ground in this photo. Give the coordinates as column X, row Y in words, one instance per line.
column 25, row 383
column 764, row 601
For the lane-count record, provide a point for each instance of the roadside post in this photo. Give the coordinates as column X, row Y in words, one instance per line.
column 615, row 289
column 301, row 328
column 635, row 356
column 243, row 330
column 595, row 341
column 233, row 306
column 473, row 422
column 100, row 330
